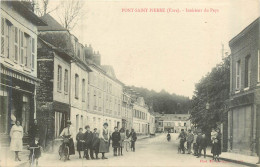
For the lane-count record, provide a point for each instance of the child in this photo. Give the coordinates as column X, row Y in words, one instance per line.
column 168, row 136
column 195, row 146
column 213, row 135
column 80, row 141
column 116, row 141
column 35, row 151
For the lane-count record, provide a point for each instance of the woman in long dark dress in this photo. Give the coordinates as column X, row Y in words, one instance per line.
column 80, row 142
column 216, row 147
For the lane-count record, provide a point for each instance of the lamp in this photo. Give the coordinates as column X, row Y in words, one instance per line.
column 207, row 105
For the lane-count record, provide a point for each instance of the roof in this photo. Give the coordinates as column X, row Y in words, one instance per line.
column 58, row 50
column 109, row 70
column 53, row 25
column 244, row 31
column 23, row 10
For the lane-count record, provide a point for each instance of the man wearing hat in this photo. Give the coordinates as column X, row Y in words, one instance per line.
column 68, row 133
column 88, row 137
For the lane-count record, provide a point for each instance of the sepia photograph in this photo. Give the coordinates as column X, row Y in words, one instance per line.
column 128, row 83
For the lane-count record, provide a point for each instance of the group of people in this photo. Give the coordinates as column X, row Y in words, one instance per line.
column 91, row 143
column 199, row 141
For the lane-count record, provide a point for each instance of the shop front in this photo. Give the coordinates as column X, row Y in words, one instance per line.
column 16, row 102
column 242, row 124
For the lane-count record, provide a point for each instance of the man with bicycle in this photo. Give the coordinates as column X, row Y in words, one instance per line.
column 67, row 135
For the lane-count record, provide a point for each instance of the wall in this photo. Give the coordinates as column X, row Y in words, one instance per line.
column 24, row 26
column 248, row 44
column 60, row 95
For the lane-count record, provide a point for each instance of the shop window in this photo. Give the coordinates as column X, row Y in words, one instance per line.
column 3, row 111
column 60, row 120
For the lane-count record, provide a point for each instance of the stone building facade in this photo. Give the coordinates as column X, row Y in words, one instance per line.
column 18, row 67
column 243, row 114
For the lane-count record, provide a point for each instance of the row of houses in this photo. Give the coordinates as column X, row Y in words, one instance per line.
column 172, row 122
column 48, row 75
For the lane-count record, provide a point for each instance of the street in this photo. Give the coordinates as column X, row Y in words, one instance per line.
column 156, row 151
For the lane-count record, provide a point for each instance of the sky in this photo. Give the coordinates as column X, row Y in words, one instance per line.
column 160, row 50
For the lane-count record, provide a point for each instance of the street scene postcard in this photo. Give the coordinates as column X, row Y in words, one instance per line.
column 127, row 83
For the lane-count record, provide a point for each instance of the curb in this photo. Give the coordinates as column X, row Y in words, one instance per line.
column 236, row 161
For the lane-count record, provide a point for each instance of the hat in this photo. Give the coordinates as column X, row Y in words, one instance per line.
column 68, row 122
column 87, row 126
column 105, row 124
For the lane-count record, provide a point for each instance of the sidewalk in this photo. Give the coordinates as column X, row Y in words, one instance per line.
column 236, row 158
column 7, row 157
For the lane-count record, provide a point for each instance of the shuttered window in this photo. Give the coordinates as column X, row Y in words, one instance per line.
column 16, row 46
column 2, row 36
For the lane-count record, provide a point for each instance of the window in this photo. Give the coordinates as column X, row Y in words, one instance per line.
column 59, row 78
column 8, row 38
column 27, row 55
column 77, row 123
column 76, row 86
column 66, row 81
column 60, row 119
column 81, row 121
column 33, row 52
column 2, row 36
column 83, row 90
column 95, row 100
column 238, row 74
column 99, row 101
column 16, row 44
column 247, row 71
column 22, row 47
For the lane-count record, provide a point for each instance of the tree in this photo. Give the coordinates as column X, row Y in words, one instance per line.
column 163, row 101
column 214, row 90
column 70, row 12
column 41, row 7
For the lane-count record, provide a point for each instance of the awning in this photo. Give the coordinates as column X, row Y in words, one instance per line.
column 18, row 74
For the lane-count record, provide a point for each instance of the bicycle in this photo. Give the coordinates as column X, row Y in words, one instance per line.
column 127, row 144
column 32, row 160
column 64, row 149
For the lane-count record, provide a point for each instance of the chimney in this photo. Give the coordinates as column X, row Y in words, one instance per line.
column 97, row 58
